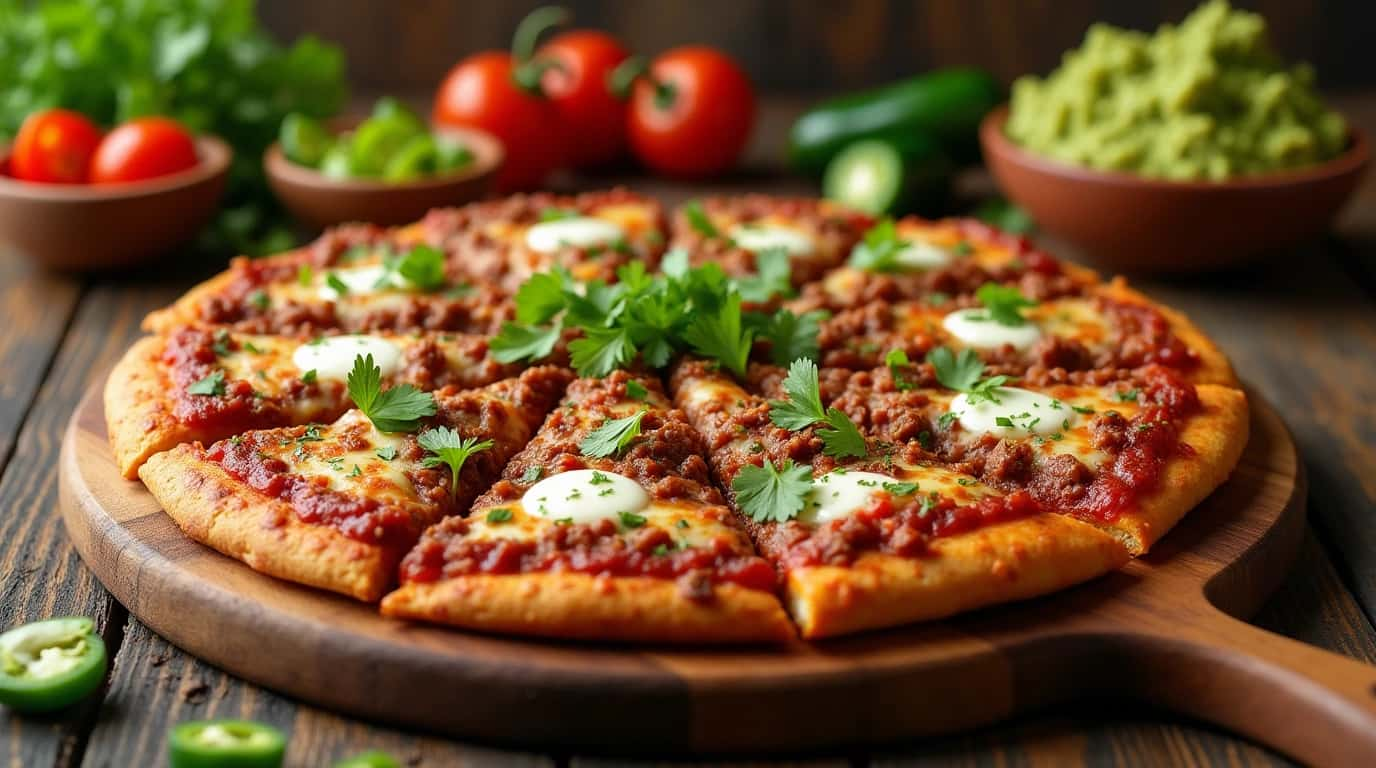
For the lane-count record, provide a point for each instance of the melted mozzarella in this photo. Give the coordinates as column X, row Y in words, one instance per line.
column 585, row 496
column 841, row 494
column 332, row 357
column 976, row 329
column 923, row 255
column 1017, row 413
column 577, row 232
column 761, row 237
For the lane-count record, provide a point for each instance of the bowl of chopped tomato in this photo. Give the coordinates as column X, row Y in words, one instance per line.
column 75, row 198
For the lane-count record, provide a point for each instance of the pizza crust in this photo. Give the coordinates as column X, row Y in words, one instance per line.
column 136, row 416
column 584, row 606
column 213, row 508
column 1217, row 434
column 1010, row 561
column 1214, row 367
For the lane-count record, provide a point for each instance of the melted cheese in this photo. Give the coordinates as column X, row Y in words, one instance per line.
column 758, row 237
column 333, row 357
column 919, row 254
column 576, row 232
column 1012, row 413
column 975, row 328
column 319, row 452
column 585, row 496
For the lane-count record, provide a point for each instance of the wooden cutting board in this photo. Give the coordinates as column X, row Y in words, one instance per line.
column 1160, row 631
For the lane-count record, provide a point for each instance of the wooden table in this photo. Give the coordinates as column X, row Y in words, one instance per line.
column 1301, row 330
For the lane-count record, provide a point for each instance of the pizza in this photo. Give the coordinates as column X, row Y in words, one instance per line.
column 754, row 419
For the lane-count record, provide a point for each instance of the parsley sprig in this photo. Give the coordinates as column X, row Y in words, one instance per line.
column 1004, row 304
column 396, row 409
column 803, row 408
column 613, row 436
column 451, row 450
column 965, row 373
column 769, row 494
column 878, row 251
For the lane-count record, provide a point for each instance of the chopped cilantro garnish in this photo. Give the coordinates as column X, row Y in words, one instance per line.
column 771, row 278
column 398, row 409
column 901, row 488
column 792, row 336
column 260, row 300
column 803, row 408
column 1130, row 396
column 451, row 450
column 213, row 384
column 339, row 286
column 698, row 220
column 1004, row 303
column 498, row 515
column 896, row 359
column 532, row 473
column 613, row 436
column 878, row 251
column 557, row 214
column 422, row 268
column 631, row 519
column 520, row 342
column 1082, row 409
column 635, row 390
column 963, row 373
column 309, row 377
column 765, row 493
column 386, row 452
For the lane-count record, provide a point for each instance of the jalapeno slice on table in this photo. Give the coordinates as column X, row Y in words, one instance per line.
column 48, row 665
column 370, row 759
column 225, row 744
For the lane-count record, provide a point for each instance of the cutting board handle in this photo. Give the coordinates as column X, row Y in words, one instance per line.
column 1317, row 706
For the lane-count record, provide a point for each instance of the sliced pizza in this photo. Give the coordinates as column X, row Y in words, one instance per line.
column 817, row 235
column 336, row 506
column 354, row 278
column 916, row 259
column 202, row 384
column 874, row 534
column 1097, row 333
column 607, row 526
column 506, row 241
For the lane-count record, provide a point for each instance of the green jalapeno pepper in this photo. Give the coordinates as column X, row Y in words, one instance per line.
column 48, row 665
column 371, row 759
column 225, row 744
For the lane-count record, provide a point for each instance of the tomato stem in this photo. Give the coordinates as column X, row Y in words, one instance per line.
column 536, row 23
column 621, row 79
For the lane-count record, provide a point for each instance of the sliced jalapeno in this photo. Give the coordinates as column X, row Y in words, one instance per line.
column 377, row 140
column 225, row 744
column 419, row 157
column 371, row 759
column 304, row 140
column 48, row 665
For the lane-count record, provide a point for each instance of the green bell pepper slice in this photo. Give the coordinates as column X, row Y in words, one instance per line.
column 49, row 665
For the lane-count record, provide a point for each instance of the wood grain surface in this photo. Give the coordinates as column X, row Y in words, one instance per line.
column 1151, row 632
column 1327, row 599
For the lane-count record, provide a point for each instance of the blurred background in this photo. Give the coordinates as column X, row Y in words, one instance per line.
column 806, row 47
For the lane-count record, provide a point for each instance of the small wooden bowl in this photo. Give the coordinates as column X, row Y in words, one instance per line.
column 91, row 227
column 1132, row 223
column 322, row 201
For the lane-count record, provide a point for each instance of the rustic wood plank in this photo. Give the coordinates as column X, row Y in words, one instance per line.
column 35, row 307
column 594, row 762
column 44, row 577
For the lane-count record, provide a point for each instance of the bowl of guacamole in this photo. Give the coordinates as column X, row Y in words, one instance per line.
column 1191, row 148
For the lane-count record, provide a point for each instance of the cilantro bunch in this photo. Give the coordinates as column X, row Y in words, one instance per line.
column 803, row 408
column 654, row 317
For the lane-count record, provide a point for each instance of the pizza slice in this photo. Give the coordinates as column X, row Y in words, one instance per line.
column 505, row 241
column 1107, row 328
column 606, row 526
column 201, row 384
column 917, row 259
column 354, row 278
column 816, row 235
column 869, row 533
column 336, row 506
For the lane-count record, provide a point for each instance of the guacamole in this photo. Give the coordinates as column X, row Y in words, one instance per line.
column 1207, row 99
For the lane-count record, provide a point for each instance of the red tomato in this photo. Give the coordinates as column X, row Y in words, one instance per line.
column 692, row 114
column 481, row 92
column 143, row 148
column 54, row 146
column 594, row 119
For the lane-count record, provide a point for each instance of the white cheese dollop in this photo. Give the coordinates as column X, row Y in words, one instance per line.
column 1017, row 413
column 372, row 278
column 841, row 493
column 975, row 328
column 332, row 357
column 576, row 232
column 584, row 496
column 759, row 237
column 921, row 255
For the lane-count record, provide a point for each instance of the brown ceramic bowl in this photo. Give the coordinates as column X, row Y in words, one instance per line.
column 323, row 201
column 1132, row 223
column 107, row 226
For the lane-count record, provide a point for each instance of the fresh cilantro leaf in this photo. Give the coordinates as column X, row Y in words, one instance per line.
column 773, row 273
column 515, row 343
column 252, row 349
column 631, row 519
column 386, row 452
column 599, row 306
column 221, row 343
column 260, row 300
column 213, row 384
column 1004, row 303
column 900, row 488
column 339, row 286
column 698, row 220
column 719, row 336
column 451, row 450
column 601, row 351
column 987, row 389
column 422, row 267
column 843, row 438
column 878, row 251
column 557, row 214
column 542, row 296
column 310, row 376
column 792, row 337
column 768, row 494
column 896, row 359
column 499, row 515
column 532, row 473
column 635, row 390
column 956, row 372
column 1129, row 396
column 1082, row 409
column 613, row 436
column 803, row 408
column 398, row 409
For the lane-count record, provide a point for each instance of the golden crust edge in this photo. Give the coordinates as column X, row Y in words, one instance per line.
column 1015, row 560
column 588, row 607
column 135, row 424
column 212, row 508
